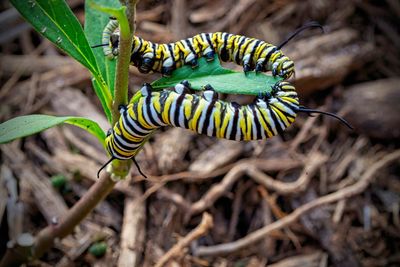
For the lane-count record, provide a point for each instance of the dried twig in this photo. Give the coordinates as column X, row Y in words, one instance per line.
column 133, row 232
column 258, row 235
column 205, row 225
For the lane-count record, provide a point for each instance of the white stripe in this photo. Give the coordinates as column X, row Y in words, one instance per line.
column 122, row 141
column 211, row 124
column 203, row 115
column 137, row 127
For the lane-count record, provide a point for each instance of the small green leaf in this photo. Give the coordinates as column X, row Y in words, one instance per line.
column 98, row 249
column 221, row 79
column 95, row 21
column 31, row 124
column 58, row 181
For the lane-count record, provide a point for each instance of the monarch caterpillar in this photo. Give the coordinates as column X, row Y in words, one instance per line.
column 270, row 114
column 251, row 53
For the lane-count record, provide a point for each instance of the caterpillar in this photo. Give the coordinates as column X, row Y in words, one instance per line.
column 251, row 53
column 270, row 114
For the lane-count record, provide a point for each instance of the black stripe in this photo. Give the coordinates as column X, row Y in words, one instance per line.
column 276, row 120
column 256, row 123
column 256, row 45
column 171, row 51
column 189, row 44
column 148, row 103
column 245, row 124
column 283, row 111
column 208, row 117
column 267, row 57
column 209, row 40
column 235, row 121
column 130, row 126
column 266, row 122
column 244, row 49
column 291, row 106
column 124, row 147
column 111, row 149
column 224, row 51
column 285, row 114
column 195, row 103
column 139, row 133
column 178, row 104
column 237, row 57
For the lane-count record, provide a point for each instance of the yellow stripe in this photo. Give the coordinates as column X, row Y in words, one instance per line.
column 121, row 152
column 141, row 119
column 242, row 48
column 250, row 123
column 217, row 118
column 290, row 100
column 155, row 100
column 242, row 124
column 196, row 115
column 268, row 119
column 125, row 134
column 281, row 116
column 275, row 56
column 264, row 126
column 187, row 106
column 167, row 106
column 259, row 50
column 228, row 116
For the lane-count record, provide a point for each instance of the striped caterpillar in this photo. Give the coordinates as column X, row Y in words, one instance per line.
column 270, row 114
column 251, row 53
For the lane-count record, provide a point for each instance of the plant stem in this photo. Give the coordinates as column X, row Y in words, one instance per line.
column 127, row 30
column 122, row 70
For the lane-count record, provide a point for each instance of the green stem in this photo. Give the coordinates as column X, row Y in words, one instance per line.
column 121, row 168
column 122, row 69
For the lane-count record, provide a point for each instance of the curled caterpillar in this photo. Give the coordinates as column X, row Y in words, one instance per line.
column 251, row 53
column 270, row 114
column 108, row 37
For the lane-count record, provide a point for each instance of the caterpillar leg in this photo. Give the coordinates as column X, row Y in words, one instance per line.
column 146, row 65
column 166, row 71
column 209, row 56
column 260, row 67
column 122, row 108
column 194, row 63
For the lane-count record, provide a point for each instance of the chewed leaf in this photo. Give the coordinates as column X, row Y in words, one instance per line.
column 221, row 79
column 31, row 124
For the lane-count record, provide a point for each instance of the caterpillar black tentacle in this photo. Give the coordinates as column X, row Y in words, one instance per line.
column 251, row 53
column 311, row 111
column 311, row 24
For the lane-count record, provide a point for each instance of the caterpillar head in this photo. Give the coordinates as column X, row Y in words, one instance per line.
column 114, row 43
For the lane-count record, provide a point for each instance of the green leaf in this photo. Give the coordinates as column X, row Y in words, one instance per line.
column 98, row 249
column 55, row 20
column 95, row 21
column 58, row 181
column 99, row 91
column 221, row 79
column 31, row 124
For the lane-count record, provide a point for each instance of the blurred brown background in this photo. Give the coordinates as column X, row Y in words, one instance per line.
column 352, row 69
